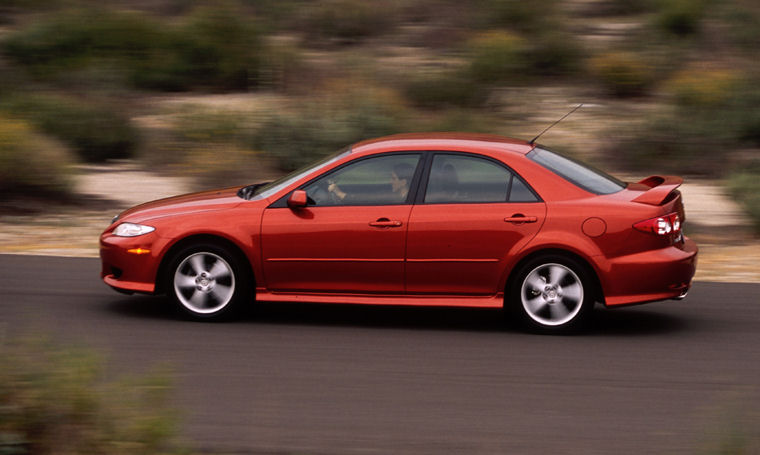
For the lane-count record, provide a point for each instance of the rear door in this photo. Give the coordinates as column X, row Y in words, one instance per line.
column 473, row 211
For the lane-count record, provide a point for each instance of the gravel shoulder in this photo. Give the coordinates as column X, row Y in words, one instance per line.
column 728, row 250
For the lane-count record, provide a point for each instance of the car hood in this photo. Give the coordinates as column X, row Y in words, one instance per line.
column 187, row 203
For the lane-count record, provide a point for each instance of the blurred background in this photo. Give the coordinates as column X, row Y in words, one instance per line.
column 107, row 103
column 231, row 92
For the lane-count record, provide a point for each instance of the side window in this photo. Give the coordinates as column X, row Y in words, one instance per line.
column 455, row 179
column 382, row 180
column 520, row 192
column 467, row 179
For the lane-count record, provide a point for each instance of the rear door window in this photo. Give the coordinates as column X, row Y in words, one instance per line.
column 463, row 178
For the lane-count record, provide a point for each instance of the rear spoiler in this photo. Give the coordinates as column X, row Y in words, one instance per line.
column 660, row 187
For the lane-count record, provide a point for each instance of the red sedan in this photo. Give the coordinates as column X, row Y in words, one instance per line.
column 420, row 219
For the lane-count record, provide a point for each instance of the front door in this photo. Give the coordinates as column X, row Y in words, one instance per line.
column 351, row 236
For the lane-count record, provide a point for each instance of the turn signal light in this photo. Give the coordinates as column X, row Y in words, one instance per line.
column 662, row 225
column 138, row 251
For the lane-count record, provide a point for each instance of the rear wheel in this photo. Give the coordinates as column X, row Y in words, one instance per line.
column 207, row 281
column 552, row 293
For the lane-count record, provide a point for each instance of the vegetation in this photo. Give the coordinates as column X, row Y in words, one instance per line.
column 681, row 17
column 497, row 56
column 55, row 400
column 453, row 88
column 682, row 81
column 713, row 115
column 95, row 131
column 211, row 47
column 622, row 73
column 78, row 37
column 319, row 126
column 30, row 162
column 348, row 20
column 745, row 186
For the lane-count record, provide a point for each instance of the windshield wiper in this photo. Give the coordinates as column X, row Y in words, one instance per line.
column 247, row 192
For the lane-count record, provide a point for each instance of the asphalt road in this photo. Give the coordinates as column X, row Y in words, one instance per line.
column 671, row 377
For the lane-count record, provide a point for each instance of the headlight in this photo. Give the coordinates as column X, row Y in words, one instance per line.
column 132, row 230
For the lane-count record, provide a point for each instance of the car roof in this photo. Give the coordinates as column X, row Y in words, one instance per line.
column 443, row 141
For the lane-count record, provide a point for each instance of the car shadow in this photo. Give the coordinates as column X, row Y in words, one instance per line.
column 633, row 321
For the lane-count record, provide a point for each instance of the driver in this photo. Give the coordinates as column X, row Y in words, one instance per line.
column 401, row 177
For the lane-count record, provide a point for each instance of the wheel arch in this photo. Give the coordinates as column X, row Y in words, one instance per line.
column 589, row 268
column 198, row 239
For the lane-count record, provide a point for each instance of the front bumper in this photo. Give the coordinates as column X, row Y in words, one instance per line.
column 130, row 263
column 650, row 275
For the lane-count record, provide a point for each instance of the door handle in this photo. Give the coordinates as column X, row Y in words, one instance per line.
column 519, row 218
column 384, row 223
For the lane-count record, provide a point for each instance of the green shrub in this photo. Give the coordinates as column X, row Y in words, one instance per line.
column 497, row 56
column 219, row 47
column 620, row 7
column 213, row 47
column 445, row 89
column 713, row 115
column 623, row 74
column 54, row 400
column 747, row 115
column 742, row 26
column 694, row 88
column 680, row 17
column 547, row 47
column 214, row 165
column 283, row 68
column 528, row 17
column 29, row 162
column 553, row 53
column 33, row 4
column 680, row 141
column 320, row 126
column 457, row 120
column 96, row 132
column 75, row 38
column 728, row 101
column 213, row 126
column 745, row 187
column 348, row 19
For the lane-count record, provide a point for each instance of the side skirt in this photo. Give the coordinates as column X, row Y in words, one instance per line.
column 488, row 301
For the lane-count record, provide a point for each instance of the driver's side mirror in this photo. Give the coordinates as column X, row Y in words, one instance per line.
column 298, row 199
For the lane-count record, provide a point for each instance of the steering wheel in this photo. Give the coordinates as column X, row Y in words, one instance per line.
column 321, row 195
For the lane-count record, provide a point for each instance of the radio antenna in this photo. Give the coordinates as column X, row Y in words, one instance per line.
column 533, row 141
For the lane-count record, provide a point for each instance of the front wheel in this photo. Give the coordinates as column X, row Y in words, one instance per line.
column 207, row 282
column 552, row 294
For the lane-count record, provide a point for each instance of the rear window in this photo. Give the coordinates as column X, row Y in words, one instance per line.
column 580, row 174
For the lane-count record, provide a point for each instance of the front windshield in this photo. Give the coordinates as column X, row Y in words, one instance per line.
column 264, row 191
column 581, row 174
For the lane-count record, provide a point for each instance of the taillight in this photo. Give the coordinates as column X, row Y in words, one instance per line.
column 661, row 225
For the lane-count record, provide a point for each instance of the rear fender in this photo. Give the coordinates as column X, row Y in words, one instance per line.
column 555, row 241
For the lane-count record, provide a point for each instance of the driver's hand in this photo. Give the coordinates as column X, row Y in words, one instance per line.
column 335, row 189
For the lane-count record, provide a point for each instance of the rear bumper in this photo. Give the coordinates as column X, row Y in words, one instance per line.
column 651, row 275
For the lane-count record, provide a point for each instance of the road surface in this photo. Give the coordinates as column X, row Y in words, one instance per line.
column 670, row 377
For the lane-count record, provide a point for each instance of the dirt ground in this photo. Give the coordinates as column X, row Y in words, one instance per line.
column 728, row 250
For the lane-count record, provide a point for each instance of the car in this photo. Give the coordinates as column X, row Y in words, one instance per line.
column 437, row 219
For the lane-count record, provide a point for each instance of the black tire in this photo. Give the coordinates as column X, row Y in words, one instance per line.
column 208, row 282
column 552, row 294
